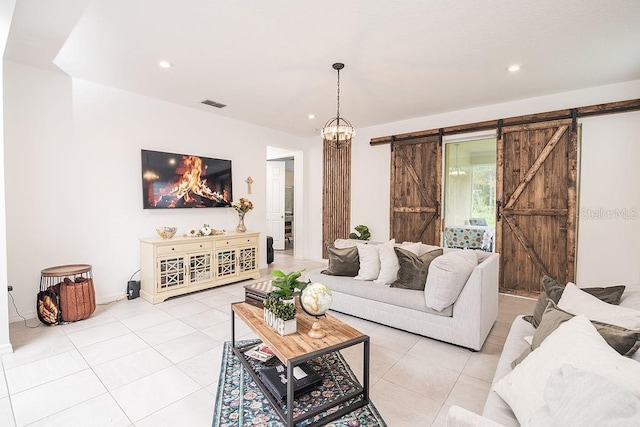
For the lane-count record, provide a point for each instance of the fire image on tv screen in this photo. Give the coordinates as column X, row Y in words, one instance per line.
column 184, row 181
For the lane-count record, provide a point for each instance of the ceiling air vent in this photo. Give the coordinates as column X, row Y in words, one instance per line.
column 213, row 103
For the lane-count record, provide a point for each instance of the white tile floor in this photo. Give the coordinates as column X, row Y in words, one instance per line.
column 137, row 364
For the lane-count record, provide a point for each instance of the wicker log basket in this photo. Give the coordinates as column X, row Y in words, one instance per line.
column 77, row 299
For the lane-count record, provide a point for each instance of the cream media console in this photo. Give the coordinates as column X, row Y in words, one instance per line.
column 186, row 264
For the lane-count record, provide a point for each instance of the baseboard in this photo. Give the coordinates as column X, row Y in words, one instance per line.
column 30, row 315
column 103, row 300
column 6, row 349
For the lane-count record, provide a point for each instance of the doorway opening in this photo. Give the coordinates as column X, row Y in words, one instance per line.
column 469, row 192
column 285, row 200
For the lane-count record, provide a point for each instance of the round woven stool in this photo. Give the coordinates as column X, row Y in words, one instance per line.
column 53, row 275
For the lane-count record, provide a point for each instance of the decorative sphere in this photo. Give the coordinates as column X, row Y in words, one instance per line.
column 316, row 299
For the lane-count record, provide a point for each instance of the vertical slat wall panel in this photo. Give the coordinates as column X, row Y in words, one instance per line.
column 336, row 194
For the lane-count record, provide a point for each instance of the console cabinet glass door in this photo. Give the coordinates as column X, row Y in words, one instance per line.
column 184, row 270
column 247, row 259
column 200, row 268
column 172, row 273
column 226, row 263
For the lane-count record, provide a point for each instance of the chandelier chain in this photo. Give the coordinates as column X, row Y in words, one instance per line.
column 338, row 113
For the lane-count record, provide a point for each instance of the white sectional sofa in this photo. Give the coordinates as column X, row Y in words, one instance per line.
column 465, row 323
column 498, row 413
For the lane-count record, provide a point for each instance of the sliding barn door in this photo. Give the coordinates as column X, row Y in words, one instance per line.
column 536, row 193
column 415, row 190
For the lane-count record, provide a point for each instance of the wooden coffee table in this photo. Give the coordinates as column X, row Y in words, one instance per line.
column 297, row 348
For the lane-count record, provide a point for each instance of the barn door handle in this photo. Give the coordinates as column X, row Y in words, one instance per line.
column 498, row 210
column 437, row 215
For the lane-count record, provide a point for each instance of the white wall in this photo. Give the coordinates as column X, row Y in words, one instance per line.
column 74, row 191
column 371, row 171
column 609, row 223
column 6, row 11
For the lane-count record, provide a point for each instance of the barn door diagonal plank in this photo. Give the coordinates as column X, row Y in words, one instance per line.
column 536, row 199
column 528, row 247
column 415, row 191
column 414, row 175
column 536, row 165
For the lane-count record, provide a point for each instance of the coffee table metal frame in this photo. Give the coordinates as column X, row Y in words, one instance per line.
column 287, row 417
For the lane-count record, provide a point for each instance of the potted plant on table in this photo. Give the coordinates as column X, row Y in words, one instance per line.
column 279, row 307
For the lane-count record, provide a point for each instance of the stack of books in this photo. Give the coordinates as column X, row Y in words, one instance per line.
column 260, row 352
column 275, row 379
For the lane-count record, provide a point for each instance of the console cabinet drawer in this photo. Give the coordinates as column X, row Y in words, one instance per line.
column 237, row 241
column 184, row 247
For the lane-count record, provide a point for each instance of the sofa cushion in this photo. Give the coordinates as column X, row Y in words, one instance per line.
column 575, row 342
column 369, row 256
column 369, row 290
column 447, row 276
column 576, row 301
column 574, row 397
column 622, row 340
column 553, row 291
column 389, row 264
column 413, row 268
column 342, row 262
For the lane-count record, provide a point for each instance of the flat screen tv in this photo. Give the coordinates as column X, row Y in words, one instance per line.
column 172, row 181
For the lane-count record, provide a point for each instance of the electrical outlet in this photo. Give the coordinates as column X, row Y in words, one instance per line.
column 10, row 288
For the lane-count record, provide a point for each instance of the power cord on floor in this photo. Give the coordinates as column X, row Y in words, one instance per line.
column 23, row 318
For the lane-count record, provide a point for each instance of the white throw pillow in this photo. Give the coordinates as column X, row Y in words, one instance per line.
column 576, row 301
column 447, row 276
column 574, row 397
column 576, row 342
column 345, row 243
column 369, row 262
column 389, row 265
column 423, row 248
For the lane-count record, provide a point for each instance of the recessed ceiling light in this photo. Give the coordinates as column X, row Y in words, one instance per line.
column 165, row 64
column 513, row 68
column 311, row 116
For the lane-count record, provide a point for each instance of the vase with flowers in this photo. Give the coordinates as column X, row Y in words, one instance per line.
column 242, row 206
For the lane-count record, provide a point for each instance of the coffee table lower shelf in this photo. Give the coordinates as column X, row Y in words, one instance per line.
column 359, row 396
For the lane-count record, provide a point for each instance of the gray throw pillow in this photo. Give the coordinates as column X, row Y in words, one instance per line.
column 553, row 292
column 342, row 262
column 624, row 341
column 413, row 269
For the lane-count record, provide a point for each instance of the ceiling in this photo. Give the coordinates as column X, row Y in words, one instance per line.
column 270, row 61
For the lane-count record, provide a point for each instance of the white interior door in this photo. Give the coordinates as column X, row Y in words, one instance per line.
column 275, row 203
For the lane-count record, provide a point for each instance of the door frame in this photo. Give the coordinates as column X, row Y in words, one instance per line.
column 459, row 139
column 299, row 250
column 274, row 165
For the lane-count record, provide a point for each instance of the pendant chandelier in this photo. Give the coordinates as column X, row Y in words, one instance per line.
column 456, row 171
column 338, row 132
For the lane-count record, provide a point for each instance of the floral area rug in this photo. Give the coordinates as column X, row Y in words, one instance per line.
column 240, row 402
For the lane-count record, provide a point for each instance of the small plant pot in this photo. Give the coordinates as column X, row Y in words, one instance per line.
column 286, row 327
column 283, row 327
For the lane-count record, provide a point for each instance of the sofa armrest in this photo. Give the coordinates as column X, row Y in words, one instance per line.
column 477, row 304
column 460, row 417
